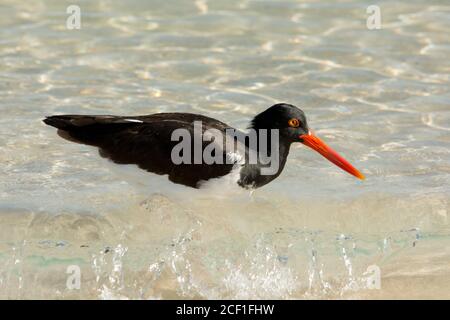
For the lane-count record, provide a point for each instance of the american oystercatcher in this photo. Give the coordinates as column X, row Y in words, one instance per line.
column 154, row 143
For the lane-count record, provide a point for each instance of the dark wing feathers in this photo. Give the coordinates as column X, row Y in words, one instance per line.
column 141, row 140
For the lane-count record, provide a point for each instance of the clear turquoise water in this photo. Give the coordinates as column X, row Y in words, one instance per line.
column 380, row 97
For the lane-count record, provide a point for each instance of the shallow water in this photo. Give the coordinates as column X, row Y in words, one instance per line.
column 380, row 97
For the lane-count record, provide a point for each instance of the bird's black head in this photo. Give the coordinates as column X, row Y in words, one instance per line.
column 288, row 119
column 292, row 126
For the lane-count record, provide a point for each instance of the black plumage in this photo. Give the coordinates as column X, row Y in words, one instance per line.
column 142, row 140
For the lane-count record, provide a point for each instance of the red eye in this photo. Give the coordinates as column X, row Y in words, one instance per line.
column 293, row 123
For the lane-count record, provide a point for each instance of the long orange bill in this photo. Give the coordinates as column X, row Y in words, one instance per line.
column 315, row 143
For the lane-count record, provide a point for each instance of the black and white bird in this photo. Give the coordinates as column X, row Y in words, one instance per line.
column 147, row 141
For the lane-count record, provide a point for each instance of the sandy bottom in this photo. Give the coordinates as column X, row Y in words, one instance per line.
column 161, row 250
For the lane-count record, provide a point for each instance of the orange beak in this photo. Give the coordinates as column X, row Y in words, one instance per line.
column 315, row 143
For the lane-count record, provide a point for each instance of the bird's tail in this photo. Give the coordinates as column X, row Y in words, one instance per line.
column 72, row 122
column 60, row 122
column 87, row 129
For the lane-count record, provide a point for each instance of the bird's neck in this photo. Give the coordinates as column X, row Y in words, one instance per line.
column 271, row 161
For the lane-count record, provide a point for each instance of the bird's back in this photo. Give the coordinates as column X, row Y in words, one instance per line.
column 145, row 141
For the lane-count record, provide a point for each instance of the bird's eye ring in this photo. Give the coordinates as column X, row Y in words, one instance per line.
column 294, row 123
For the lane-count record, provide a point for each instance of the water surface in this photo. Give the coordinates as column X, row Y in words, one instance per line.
column 380, row 97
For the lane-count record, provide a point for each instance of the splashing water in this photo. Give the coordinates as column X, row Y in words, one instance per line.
column 379, row 97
